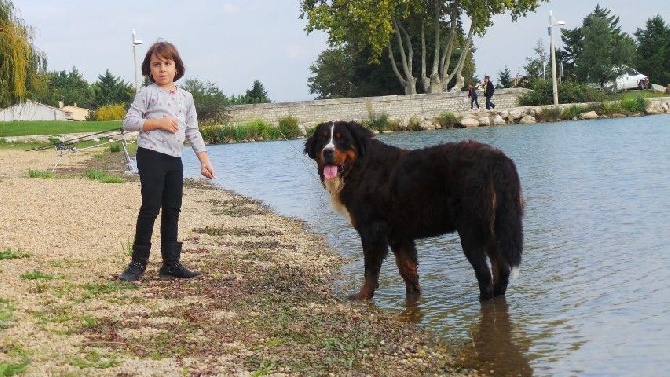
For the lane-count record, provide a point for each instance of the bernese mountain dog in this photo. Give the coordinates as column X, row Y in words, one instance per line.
column 393, row 196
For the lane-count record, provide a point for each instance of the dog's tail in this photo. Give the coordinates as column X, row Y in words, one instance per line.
column 508, row 223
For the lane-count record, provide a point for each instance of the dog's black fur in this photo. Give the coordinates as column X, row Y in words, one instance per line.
column 393, row 197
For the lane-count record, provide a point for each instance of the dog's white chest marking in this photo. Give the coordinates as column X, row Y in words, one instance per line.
column 334, row 186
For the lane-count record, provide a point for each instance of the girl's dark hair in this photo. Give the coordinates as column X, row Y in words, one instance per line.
column 165, row 50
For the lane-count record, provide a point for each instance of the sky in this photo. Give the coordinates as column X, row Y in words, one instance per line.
column 232, row 43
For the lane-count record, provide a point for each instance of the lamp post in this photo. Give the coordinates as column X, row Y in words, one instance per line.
column 553, row 23
column 136, row 42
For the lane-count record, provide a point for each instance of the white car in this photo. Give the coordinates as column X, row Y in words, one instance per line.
column 631, row 79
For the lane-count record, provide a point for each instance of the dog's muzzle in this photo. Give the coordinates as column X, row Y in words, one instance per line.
column 328, row 156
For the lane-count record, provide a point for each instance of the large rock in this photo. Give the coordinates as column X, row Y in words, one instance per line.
column 484, row 121
column 528, row 119
column 658, row 88
column 589, row 115
column 498, row 120
column 469, row 122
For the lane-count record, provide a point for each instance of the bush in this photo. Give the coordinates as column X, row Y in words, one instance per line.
column 610, row 108
column 288, row 127
column 549, row 114
column 256, row 130
column 568, row 91
column 572, row 112
column 111, row 112
column 414, row 124
column 447, row 119
column 377, row 122
column 637, row 104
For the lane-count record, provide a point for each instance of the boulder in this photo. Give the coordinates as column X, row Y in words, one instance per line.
column 469, row 122
column 514, row 115
column 658, row 88
column 589, row 115
column 498, row 120
column 527, row 119
column 484, row 121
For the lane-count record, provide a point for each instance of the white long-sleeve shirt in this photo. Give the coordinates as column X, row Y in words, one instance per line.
column 154, row 102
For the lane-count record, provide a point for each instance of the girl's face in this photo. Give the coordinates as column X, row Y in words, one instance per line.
column 163, row 71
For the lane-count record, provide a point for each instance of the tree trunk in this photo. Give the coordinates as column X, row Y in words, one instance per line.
column 405, row 77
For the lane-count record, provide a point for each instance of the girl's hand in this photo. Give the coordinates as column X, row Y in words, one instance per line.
column 169, row 124
column 207, row 170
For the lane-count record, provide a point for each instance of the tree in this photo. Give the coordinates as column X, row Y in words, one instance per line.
column 653, row 50
column 67, row 87
column 210, row 102
column 395, row 25
column 332, row 74
column 505, row 78
column 20, row 62
column 343, row 72
column 257, row 93
column 111, row 90
column 537, row 66
column 597, row 51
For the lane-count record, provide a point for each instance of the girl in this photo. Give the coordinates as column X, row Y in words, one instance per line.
column 165, row 116
column 472, row 94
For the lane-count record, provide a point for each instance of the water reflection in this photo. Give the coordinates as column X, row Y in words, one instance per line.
column 499, row 346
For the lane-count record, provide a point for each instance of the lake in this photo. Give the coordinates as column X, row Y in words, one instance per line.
column 593, row 296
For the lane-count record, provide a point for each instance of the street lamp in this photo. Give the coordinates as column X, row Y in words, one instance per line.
column 553, row 23
column 136, row 42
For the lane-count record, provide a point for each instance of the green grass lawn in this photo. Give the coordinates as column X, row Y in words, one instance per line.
column 55, row 127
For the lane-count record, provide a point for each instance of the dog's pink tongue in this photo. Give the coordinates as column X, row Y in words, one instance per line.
column 330, row 171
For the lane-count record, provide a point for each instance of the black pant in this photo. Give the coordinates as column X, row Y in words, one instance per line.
column 162, row 178
column 489, row 103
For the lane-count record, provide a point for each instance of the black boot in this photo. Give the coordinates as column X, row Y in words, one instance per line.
column 171, row 267
column 137, row 264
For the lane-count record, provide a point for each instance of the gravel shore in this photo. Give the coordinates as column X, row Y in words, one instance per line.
column 264, row 305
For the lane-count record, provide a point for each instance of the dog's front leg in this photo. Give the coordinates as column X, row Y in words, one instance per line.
column 375, row 248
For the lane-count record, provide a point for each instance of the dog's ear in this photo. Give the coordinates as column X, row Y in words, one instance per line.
column 362, row 136
column 310, row 144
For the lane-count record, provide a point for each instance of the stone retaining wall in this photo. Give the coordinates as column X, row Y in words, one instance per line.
column 397, row 107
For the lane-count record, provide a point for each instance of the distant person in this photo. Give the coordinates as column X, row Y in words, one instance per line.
column 488, row 93
column 165, row 116
column 472, row 94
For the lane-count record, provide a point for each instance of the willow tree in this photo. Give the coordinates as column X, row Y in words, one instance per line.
column 390, row 26
column 19, row 61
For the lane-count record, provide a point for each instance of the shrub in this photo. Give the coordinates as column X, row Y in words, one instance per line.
column 569, row 92
column 414, row 124
column 447, row 119
column 638, row 104
column 549, row 114
column 377, row 122
column 571, row 112
column 288, row 127
column 115, row 147
column 111, row 112
column 254, row 130
column 610, row 108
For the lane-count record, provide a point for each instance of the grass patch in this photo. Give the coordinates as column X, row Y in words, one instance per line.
column 97, row 289
column 103, row 176
column 12, row 369
column 11, row 254
column 54, row 127
column 93, row 359
column 40, row 174
column 6, row 313
column 36, row 275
